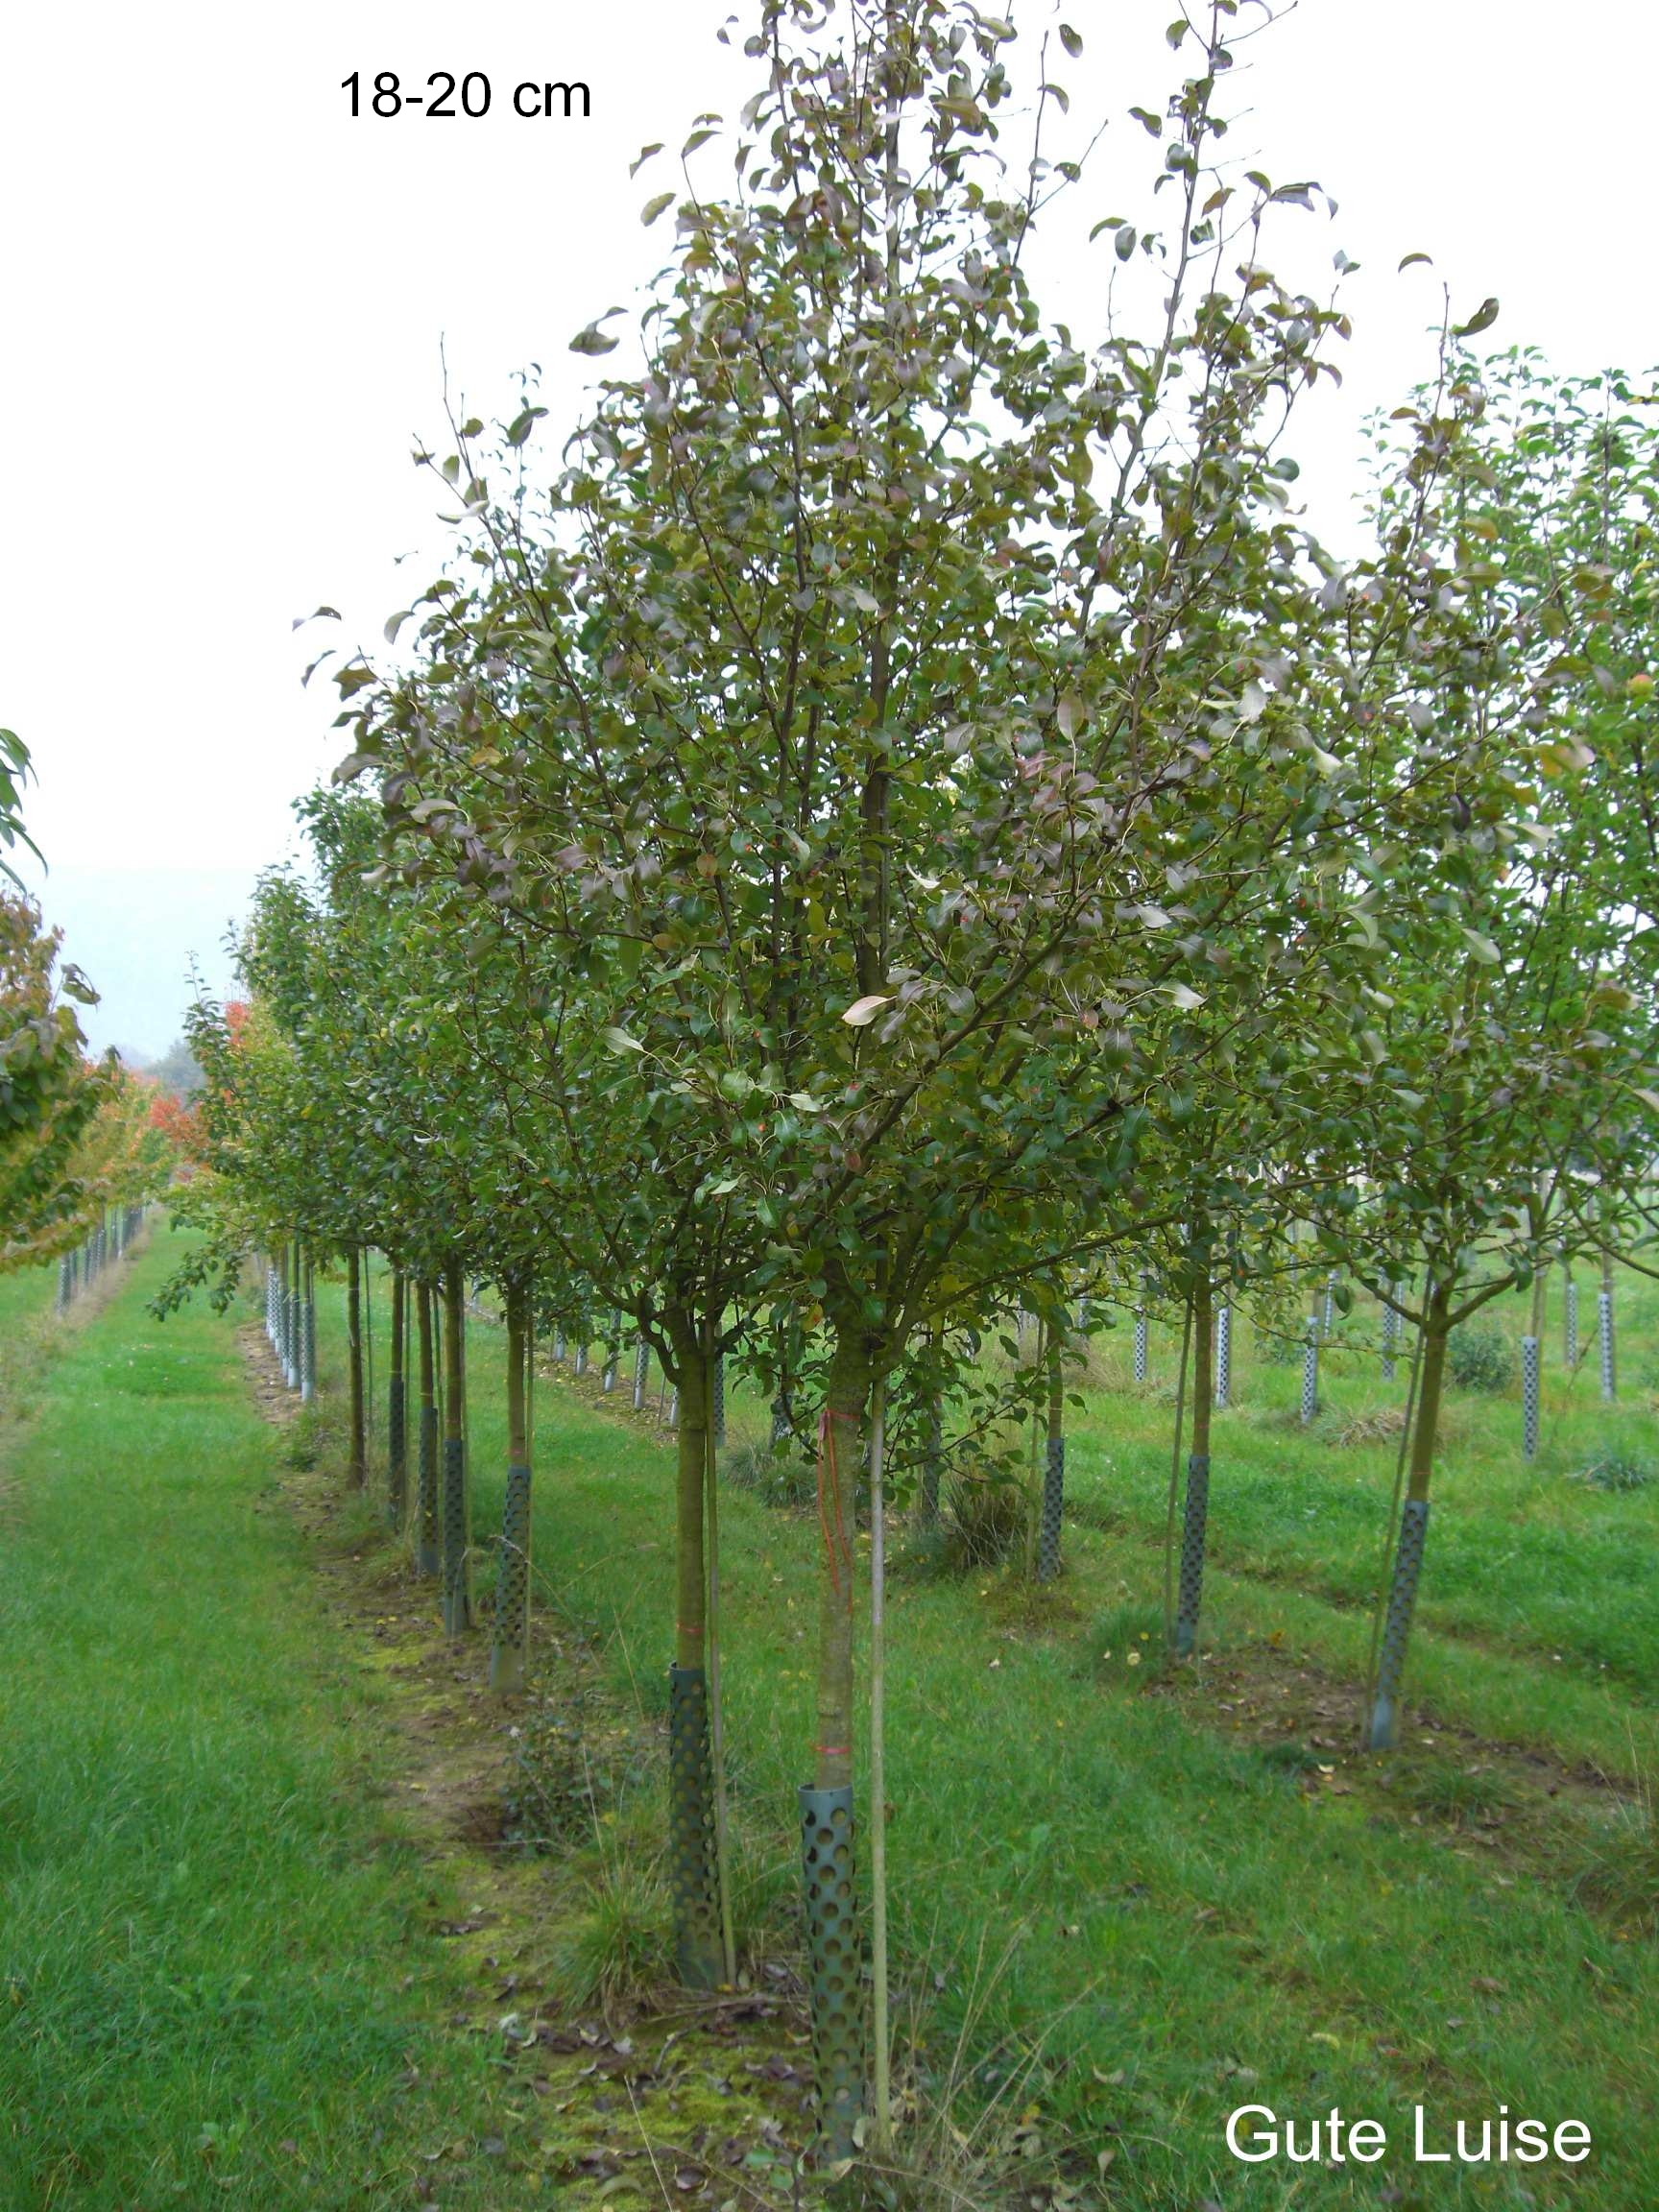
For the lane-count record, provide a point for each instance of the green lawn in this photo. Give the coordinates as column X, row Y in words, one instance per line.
column 1091, row 1870
column 212, row 1973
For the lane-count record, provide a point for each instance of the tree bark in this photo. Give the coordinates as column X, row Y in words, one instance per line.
column 509, row 1656
column 455, row 1514
column 359, row 1456
column 847, row 1396
column 1413, row 1537
column 427, row 1465
column 397, row 1432
column 1049, row 1533
column 1195, row 1520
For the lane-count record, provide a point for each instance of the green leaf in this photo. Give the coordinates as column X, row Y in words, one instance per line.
column 1483, row 319
column 653, row 207
column 1069, row 39
column 863, row 1011
column 619, row 1041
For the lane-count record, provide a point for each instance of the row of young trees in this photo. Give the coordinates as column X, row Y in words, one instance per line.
column 77, row 1146
column 901, row 822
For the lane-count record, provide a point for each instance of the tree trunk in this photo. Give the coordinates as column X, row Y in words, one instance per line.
column 1194, row 1523
column 1054, row 1463
column 397, row 1432
column 308, row 1331
column 508, row 1655
column 1604, row 1329
column 691, row 1855
column 1385, row 1729
column 456, row 1515
column 883, row 2142
column 426, row 1464
column 359, row 1459
column 716, row 1706
column 829, row 1839
column 282, row 1306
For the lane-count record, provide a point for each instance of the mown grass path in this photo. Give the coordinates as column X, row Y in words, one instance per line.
column 215, row 1986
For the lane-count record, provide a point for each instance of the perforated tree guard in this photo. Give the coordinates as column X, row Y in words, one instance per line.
column 674, row 1410
column 582, row 1358
column 1570, row 1346
column 1528, row 1397
column 397, row 1452
column 453, row 1510
column 557, row 1346
column 834, row 1965
column 718, row 1414
column 1139, row 1343
column 1328, row 1312
column 426, row 1494
column 309, row 1350
column 1397, row 1624
column 513, row 1586
column 64, row 1285
column 781, row 1422
column 270, row 1304
column 1310, row 1371
column 612, row 1353
column 1053, row 1511
column 291, row 1339
column 698, row 1951
column 1390, row 1336
column 1223, row 1353
column 1194, row 1521
column 1605, row 1345
column 641, row 1372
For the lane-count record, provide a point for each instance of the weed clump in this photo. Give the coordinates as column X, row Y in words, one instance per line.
column 984, row 1523
column 562, row 1784
column 1615, row 1471
column 772, row 1473
column 1619, row 1871
column 302, row 1441
column 1481, row 1360
column 618, row 1944
column 1442, row 1790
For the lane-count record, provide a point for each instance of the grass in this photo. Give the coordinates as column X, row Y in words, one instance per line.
column 213, row 1986
column 1185, row 1918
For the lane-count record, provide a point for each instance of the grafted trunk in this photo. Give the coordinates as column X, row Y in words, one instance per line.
column 426, row 1555
column 1195, row 1520
column 455, row 1506
column 1413, row 1537
column 397, row 1432
column 827, row 1831
column 359, row 1455
column 508, row 1655
column 693, row 1874
column 1054, row 1464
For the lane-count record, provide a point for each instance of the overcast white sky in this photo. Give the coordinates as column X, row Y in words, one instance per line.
column 223, row 301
